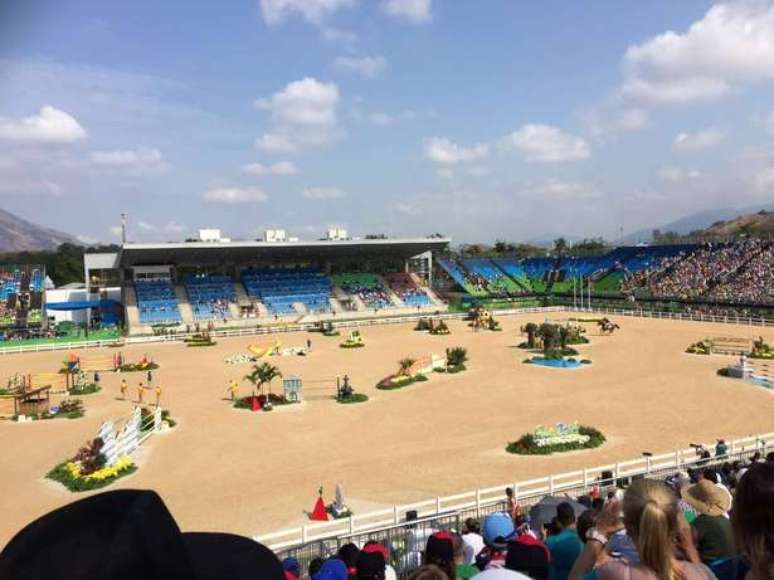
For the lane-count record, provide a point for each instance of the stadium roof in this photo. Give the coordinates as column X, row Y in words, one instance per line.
column 245, row 252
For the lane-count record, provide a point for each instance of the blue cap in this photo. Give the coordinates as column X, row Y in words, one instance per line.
column 332, row 570
column 290, row 564
column 497, row 525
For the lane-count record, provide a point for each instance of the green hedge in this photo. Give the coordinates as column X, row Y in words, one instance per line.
column 385, row 385
column 526, row 444
column 352, row 399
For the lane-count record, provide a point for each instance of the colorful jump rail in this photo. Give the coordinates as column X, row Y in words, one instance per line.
column 527, row 492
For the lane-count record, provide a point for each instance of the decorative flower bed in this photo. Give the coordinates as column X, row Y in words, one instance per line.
column 399, row 381
column 701, row 347
column 353, row 341
column 547, row 440
column 200, row 340
column 351, row 399
column 143, row 365
column 273, row 398
column 240, row 359
column 67, row 409
column 88, row 469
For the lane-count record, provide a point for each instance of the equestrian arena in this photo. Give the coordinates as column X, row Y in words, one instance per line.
column 229, row 469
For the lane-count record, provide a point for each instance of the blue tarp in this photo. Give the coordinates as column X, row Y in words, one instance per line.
column 83, row 304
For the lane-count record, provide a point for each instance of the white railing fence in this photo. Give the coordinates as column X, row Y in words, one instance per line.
column 527, row 493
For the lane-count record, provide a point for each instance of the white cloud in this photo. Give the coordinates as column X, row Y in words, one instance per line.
column 145, row 226
column 366, row 66
column 315, row 11
column 115, row 231
column 323, row 193
column 416, row 11
column 383, row 119
column 130, row 160
column 445, row 172
column 730, row 47
column 558, row 190
column 50, row 125
column 611, row 120
column 234, row 195
column 704, row 139
column 478, row 171
column 174, row 228
column 679, row 175
column 25, row 186
column 408, row 209
column 770, row 124
column 279, row 168
column 442, row 150
column 304, row 114
column 546, row 144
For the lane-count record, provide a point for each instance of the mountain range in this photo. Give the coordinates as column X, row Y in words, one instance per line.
column 18, row 235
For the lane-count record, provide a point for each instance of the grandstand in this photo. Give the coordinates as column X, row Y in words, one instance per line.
column 21, row 300
column 241, row 284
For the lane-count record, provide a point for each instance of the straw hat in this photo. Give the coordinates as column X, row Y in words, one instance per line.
column 706, row 498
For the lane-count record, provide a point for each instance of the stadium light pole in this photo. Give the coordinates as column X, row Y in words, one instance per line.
column 123, row 229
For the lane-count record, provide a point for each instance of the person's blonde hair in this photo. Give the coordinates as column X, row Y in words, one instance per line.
column 650, row 515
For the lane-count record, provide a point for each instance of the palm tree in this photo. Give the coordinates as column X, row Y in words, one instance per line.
column 262, row 374
column 456, row 356
column 405, row 364
column 531, row 329
column 564, row 335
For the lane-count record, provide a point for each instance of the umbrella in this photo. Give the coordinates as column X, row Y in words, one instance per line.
column 545, row 510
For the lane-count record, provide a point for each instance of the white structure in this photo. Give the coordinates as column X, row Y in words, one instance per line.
column 336, row 233
column 212, row 235
column 274, row 235
column 76, row 292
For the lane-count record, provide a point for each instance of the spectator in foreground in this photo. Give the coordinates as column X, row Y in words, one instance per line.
column 752, row 520
column 440, row 552
column 653, row 520
column 348, row 554
column 528, row 555
column 566, row 546
column 463, row 569
column 498, row 530
column 429, row 572
column 713, row 529
column 472, row 540
column 333, row 569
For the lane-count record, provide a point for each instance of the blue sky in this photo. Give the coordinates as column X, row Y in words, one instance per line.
column 480, row 120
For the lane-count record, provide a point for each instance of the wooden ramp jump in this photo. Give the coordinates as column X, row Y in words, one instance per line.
column 729, row 345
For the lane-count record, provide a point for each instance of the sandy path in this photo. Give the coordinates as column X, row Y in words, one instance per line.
column 230, row 470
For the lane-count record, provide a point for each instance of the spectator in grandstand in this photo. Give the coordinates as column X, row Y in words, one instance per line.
column 566, row 546
column 333, row 569
column 514, row 509
column 348, row 554
column 440, row 552
column 371, row 563
column 528, row 555
column 429, row 572
column 498, row 530
column 472, row 540
column 652, row 518
column 752, row 520
column 712, row 476
column 292, row 568
column 713, row 529
column 721, row 449
column 462, row 568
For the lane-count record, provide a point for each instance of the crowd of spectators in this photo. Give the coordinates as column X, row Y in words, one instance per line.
column 713, row 522
column 736, row 272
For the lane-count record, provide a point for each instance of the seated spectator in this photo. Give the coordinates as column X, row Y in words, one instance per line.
column 333, row 569
column 129, row 534
column 498, row 530
column 472, row 540
column 713, row 529
column 440, row 552
column 528, row 555
column 348, row 554
column 752, row 520
column 566, row 546
column 463, row 569
column 652, row 519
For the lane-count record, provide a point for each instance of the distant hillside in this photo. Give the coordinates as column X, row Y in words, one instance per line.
column 17, row 235
column 755, row 223
column 697, row 221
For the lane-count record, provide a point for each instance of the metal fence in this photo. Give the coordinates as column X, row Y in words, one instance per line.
column 477, row 502
column 761, row 321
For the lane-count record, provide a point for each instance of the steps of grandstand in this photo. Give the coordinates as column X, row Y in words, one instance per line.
column 132, row 313
column 396, row 301
column 183, row 305
column 335, row 305
column 437, row 302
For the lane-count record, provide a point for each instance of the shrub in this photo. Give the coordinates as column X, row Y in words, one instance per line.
column 585, row 361
column 353, row 398
column 456, row 356
column 526, row 444
column 85, row 389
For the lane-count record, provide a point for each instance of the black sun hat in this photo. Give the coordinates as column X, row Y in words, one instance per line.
column 129, row 534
